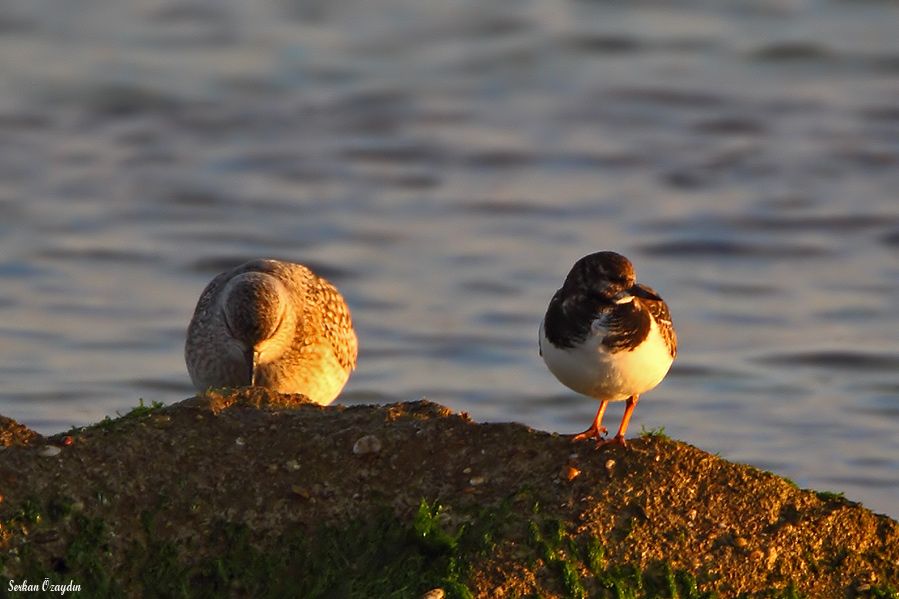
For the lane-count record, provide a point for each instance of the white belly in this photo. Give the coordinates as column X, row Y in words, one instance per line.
column 592, row 370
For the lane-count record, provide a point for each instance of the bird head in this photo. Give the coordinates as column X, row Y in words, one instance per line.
column 255, row 309
column 607, row 275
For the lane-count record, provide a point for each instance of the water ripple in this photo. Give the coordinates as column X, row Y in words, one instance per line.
column 709, row 248
column 833, row 359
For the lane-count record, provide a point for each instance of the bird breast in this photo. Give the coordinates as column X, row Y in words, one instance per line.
column 595, row 370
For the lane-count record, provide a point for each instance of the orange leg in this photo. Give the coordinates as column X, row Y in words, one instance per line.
column 596, row 430
column 618, row 439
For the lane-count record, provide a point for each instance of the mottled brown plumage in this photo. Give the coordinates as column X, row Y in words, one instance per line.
column 274, row 324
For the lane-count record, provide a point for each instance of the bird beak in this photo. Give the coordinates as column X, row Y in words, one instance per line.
column 643, row 292
column 251, row 359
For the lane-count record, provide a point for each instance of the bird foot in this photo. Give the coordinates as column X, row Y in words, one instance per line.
column 616, row 440
column 591, row 433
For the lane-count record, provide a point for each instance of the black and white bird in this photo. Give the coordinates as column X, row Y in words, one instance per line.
column 608, row 337
column 272, row 324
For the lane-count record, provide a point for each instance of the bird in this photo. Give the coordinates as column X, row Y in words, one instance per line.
column 273, row 324
column 608, row 337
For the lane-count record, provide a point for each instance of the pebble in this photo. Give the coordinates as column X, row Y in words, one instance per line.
column 477, row 480
column 570, row 473
column 292, row 465
column 49, row 451
column 437, row 593
column 366, row 445
column 161, row 420
column 610, row 464
column 239, row 442
column 299, row 492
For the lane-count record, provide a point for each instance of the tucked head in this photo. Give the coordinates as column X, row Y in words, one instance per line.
column 604, row 274
column 254, row 306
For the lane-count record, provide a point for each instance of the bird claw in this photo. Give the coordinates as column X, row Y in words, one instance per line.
column 591, row 433
column 616, row 440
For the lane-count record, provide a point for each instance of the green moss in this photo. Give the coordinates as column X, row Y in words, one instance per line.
column 653, row 432
column 789, row 481
column 373, row 557
column 830, row 495
column 884, row 592
column 376, row 556
column 142, row 409
column 86, row 559
column 60, row 508
column 135, row 413
column 30, row 512
column 583, row 569
column 595, row 556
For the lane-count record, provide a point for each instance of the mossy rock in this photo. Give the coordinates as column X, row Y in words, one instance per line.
column 252, row 493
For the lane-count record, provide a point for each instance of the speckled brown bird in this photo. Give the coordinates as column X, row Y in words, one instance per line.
column 273, row 324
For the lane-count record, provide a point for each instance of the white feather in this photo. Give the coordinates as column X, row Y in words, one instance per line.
column 591, row 369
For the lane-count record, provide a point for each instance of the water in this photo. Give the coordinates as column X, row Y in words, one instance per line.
column 444, row 163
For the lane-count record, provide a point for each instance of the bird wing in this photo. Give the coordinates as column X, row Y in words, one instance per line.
column 625, row 325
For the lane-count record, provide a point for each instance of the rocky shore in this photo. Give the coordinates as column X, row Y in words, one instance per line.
column 252, row 493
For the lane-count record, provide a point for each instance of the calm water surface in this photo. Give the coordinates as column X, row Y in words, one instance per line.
column 444, row 163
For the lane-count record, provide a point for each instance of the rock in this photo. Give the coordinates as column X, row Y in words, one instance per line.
column 570, row 473
column 294, row 499
column 367, row 445
column 49, row 451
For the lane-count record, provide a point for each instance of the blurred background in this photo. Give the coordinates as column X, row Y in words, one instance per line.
column 444, row 164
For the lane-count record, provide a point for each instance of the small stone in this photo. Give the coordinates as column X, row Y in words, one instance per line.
column 437, row 593
column 161, row 420
column 466, row 471
column 239, row 442
column 366, row 445
column 292, row 465
column 477, row 480
column 49, row 451
column 299, row 492
column 610, row 465
column 570, row 473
